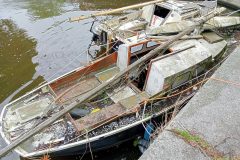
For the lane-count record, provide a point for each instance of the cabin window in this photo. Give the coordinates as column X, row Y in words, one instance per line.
column 181, row 79
column 151, row 43
column 161, row 12
column 136, row 48
column 159, row 15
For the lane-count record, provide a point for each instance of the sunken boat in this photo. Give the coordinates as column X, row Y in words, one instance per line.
column 119, row 112
column 160, row 18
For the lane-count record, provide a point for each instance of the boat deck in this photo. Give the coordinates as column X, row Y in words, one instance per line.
column 79, row 88
column 124, row 107
column 107, row 74
column 94, row 119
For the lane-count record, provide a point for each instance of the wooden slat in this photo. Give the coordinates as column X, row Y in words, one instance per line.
column 114, row 10
column 124, row 107
column 69, row 117
column 104, row 76
column 77, row 89
column 93, row 67
column 212, row 37
column 94, row 119
column 133, row 101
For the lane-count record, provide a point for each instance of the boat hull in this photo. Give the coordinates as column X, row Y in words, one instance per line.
column 103, row 143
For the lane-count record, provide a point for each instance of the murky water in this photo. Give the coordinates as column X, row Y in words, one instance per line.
column 37, row 43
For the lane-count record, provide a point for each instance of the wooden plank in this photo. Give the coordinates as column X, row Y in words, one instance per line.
column 133, row 101
column 114, row 11
column 93, row 67
column 69, row 118
column 77, row 89
column 94, row 119
column 107, row 74
column 166, row 38
column 124, row 107
column 212, row 37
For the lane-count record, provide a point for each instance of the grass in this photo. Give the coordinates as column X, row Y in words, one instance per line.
column 198, row 142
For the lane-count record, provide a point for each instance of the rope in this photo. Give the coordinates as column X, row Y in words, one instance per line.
column 107, row 51
column 231, row 13
column 147, row 100
column 201, row 82
column 216, row 79
column 162, row 98
column 165, row 97
column 226, row 81
column 84, row 152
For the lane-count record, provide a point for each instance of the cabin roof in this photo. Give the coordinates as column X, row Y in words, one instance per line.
column 214, row 48
column 183, row 60
column 179, row 6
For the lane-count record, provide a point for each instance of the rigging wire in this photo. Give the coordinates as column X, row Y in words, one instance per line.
column 162, row 98
column 232, row 83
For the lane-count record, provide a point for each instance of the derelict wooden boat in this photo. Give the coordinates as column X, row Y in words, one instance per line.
column 116, row 115
column 158, row 19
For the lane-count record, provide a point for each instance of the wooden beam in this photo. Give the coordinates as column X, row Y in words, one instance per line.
column 103, row 86
column 103, row 13
column 166, row 38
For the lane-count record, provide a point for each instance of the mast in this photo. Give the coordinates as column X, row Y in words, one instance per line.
column 103, row 13
column 101, row 87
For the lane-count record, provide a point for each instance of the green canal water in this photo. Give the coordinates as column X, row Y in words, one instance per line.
column 37, row 44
